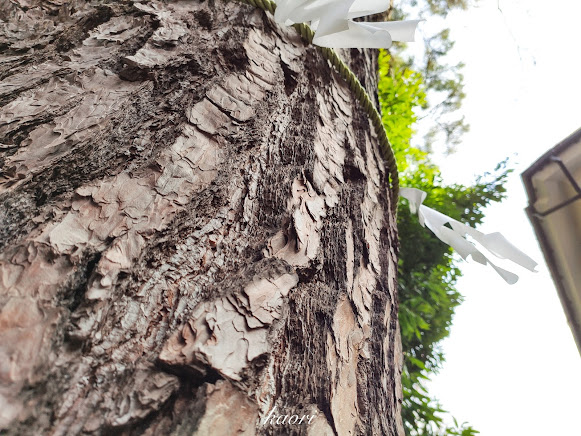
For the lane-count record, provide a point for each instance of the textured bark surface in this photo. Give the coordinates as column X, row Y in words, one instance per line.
column 195, row 227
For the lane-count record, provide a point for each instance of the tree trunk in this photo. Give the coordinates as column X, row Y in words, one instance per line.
column 195, row 231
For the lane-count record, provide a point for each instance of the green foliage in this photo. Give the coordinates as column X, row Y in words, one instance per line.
column 443, row 80
column 433, row 87
column 427, row 269
column 442, row 7
column 445, row 83
column 401, row 90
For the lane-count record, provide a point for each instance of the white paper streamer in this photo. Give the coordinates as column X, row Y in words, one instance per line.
column 332, row 21
column 496, row 243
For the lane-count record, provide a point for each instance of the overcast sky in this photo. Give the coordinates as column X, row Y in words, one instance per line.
column 512, row 366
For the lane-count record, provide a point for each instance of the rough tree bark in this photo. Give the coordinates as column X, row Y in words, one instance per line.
column 195, row 227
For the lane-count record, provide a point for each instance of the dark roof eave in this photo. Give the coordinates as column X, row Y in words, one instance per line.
column 535, row 220
column 545, row 159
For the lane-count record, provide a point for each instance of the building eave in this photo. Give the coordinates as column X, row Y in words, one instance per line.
column 558, row 227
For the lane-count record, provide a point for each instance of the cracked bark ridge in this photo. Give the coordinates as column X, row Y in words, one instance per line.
column 195, row 227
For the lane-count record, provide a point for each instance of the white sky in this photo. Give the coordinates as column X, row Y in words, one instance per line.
column 512, row 367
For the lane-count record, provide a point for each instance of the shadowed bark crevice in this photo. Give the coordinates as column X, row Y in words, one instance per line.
column 79, row 30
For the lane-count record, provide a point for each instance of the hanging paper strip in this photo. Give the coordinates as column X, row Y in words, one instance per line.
column 496, row 243
column 332, row 21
